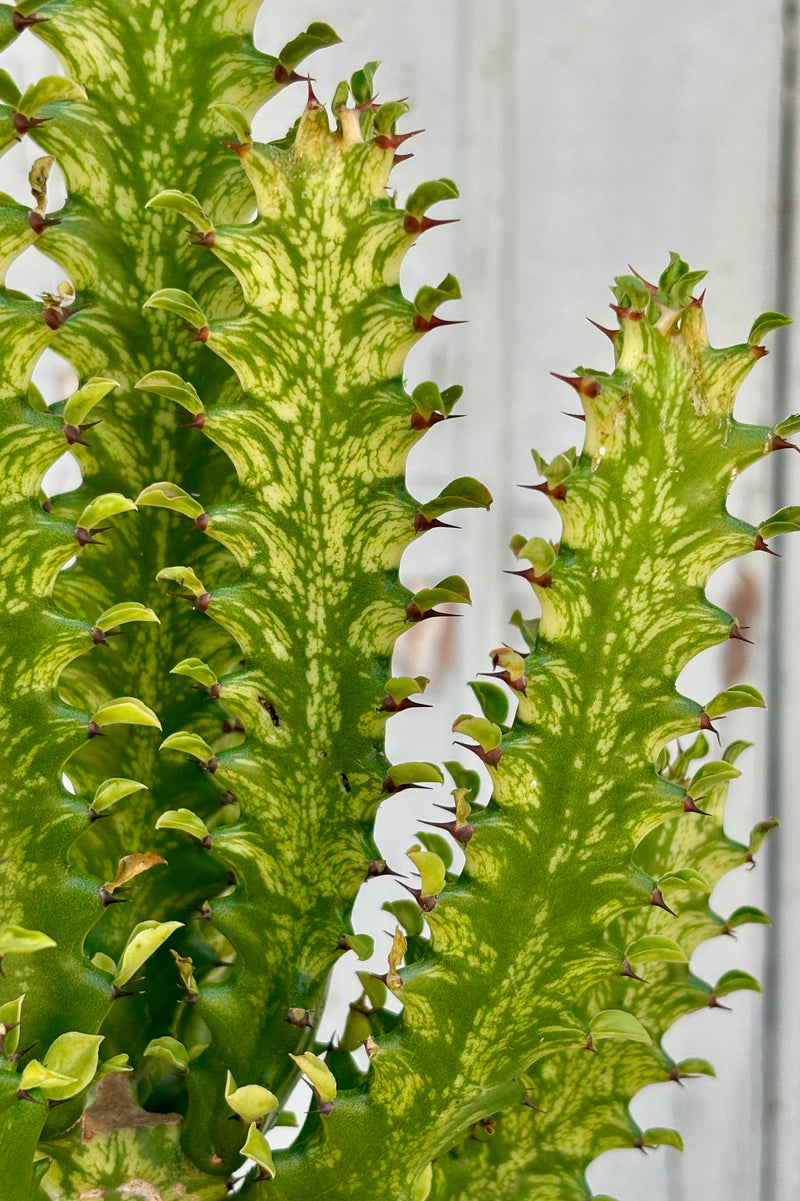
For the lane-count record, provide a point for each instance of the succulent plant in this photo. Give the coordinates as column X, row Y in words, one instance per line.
column 189, row 812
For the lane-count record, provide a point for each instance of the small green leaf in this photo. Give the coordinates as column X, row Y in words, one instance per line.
column 114, row 1065
column 540, row 553
column 236, row 120
column 257, row 1148
column 685, row 877
column 362, row 944
column 316, row 37
column 735, row 982
column 389, row 114
column 414, row 773
column 439, row 845
column 492, row 699
column 374, row 987
column 428, row 299
column 185, row 820
column 463, row 493
column 251, row 1102
column 451, row 591
column 428, row 194
column 400, row 688
column 81, row 403
column 764, row 325
column 617, row 1023
column 170, row 1051
column 74, row 1057
column 464, row 777
column 748, row 915
column 36, row 1075
column 165, row 495
column 759, row 832
column 185, row 577
column 173, row 300
column 320, row 1075
column 9, row 92
column 49, row 90
column 789, row 425
column 10, row 1018
column 190, row 744
column 184, row 205
column 486, row 733
column 785, row 521
column 125, row 710
column 710, row 775
column 172, row 387
column 195, row 669
column 113, row 790
column 422, row 1189
column 735, row 749
column 662, row 1136
column 431, row 870
column 654, row 948
column 104, row 963
column 741, row 696
column 16, row 940
column 109, row 504
column 408, row 914
column 145, row 939
column 122, row 613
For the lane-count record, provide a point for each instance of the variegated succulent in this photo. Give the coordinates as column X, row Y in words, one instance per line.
column 188, row 812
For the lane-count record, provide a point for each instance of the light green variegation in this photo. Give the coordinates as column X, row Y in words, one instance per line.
column 168, row 928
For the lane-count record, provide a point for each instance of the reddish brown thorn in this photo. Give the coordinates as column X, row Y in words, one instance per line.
column 201, row 522
column 210, row 765
column 726, row 929
column 74, row 433
column 526, row 1101
column 758, row 352
column 697, row 302
column 577, row 416
column 198, row 335
column 94, row 816
column 627, row 970
column 779, row 443
column 462, row 834
column 117, row 992
column 377, row 867
column 677, row 1075
column 519, row 685
column 705, row 724
column 651, row 288
column 584, row 385
column 541, row 581
column 241, row 148
column 47, row 505
column 638, row 1143
column 207, row 239
column 760, row 544
column 401, row 158
column 589, row 1045
column 419, row 225
column 689, row 806
column 557, row 493
column 390, row 141
column 750, row 860
column 197, row 422
column 108, row 898
column 390, row 705
column 99, row 636
column 422, row 524
column 713, row 1003
column 23, row 124
column 413, row 613
column 283, row 75
column 657, row 899
column 736, row 632
column 38, row 222
column 300, row 1018
column 626, row 314
column 24, row 1095
column 86, row 537
column 426, row 904
column 55, row 318
column 371, row 104
column 611, row 334
column 388, row 786
column 94, row 731
column 20, row 21
column 490, row 758
column 423, row 325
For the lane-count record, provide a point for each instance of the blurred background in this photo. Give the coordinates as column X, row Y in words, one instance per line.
column 585, row 136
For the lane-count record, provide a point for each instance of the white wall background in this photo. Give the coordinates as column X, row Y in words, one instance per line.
column 585, row 135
